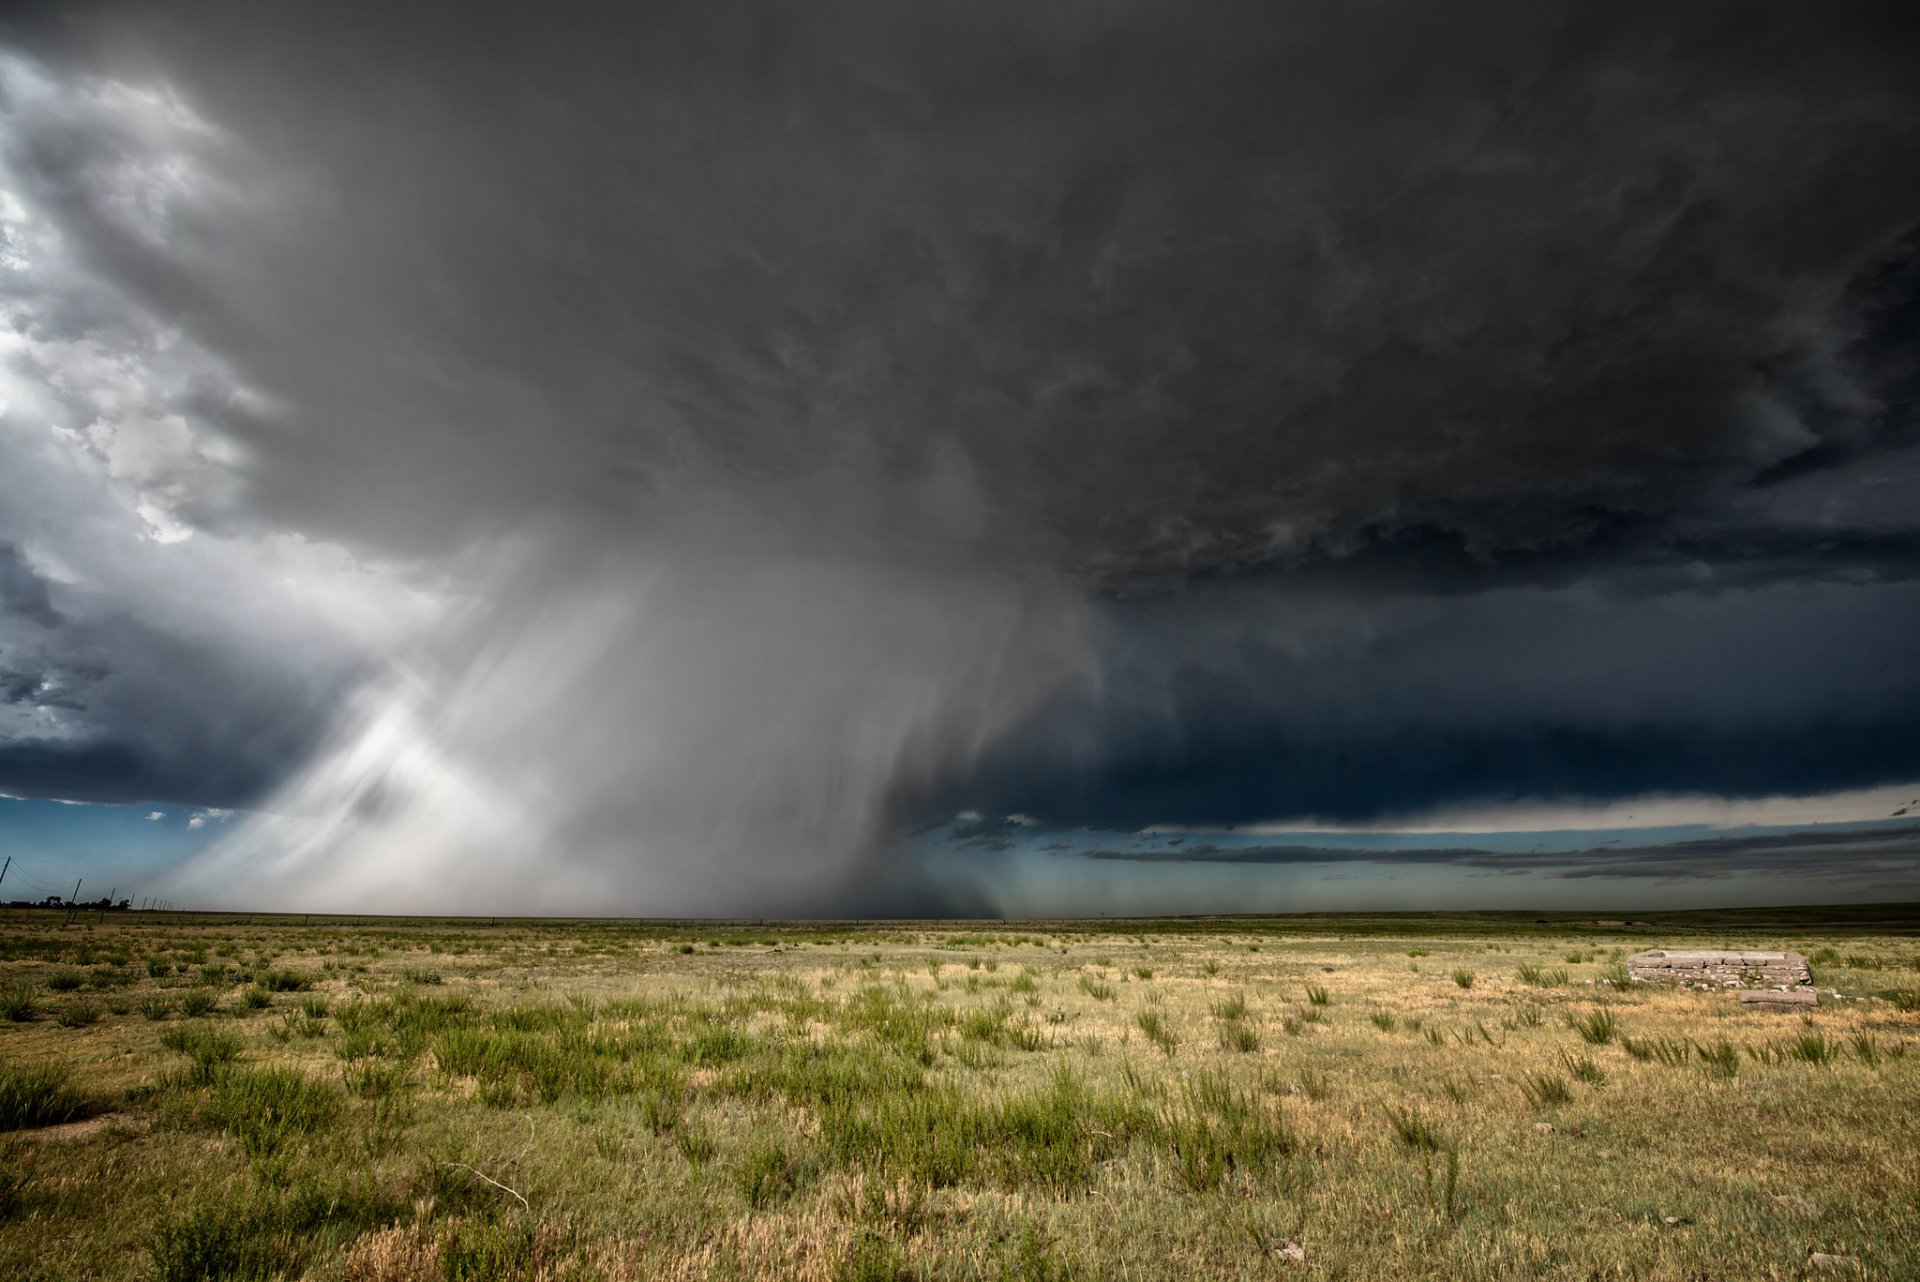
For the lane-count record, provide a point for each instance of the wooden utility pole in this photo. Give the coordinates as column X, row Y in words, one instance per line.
column 3, row 869
column 73, row 905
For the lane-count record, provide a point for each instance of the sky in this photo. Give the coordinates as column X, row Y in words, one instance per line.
column 754, row 459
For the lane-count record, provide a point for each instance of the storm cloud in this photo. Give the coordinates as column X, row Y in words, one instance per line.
column 663, row 459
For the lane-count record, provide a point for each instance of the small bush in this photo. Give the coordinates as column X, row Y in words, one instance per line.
column 208, row 1050
column 1813, row 1048
column 1720, row 1058
column 1413, row 1131
column 284, row 981
column 256, row 998
column 1543, row 1090
column 1239, row 1037
column 155, row 1007
column 870, row 1257
column 1596, row 1028
column 767, row 1175
column 1156, row 1030
column 1583, row 1067
column 79, row 1015
column 65, row 981
column 1463, row 976
column 16, row 1003
column 1316, row 995
column 40, row 1095
column 215, row 1240
column 1231, row 1008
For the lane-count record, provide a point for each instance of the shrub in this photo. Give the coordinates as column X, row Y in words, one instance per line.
column 208, row 1050
column 1545, row 1089
column 284, row 981
column 1596, row 1028
column 1239, row 1037
column 79, row 1015
column 41, row 1095
column 65, row 981
column 1720, row 1058
column 265, row 1108
column 1231, row 1008
column 1156, row 1030
column 1583, row 1067
column 1414, row 1131
column 870, row 1257
column 1813, row 1048
column 197, row 1002
column 1463, row 976
column 155, row 1007
column 767, row 1175
column 215, row 1240
column 16, row 1003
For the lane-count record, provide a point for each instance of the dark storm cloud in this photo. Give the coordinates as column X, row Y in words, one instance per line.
column 1847, row 853
column 1118, row 414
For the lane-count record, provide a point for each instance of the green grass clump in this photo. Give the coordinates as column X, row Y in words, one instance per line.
column 265, row 1109
column 1150, row 1023
column 1671, row 1051
column 1596, row 1028
column 1317, row 996
column 65, row 981
column 1412, row 1130
column 284, row 981
column 1544, row 1090
column 39, row 1095
column 196, row 1002
column 1463, row 976
column 768, row 1174
column 17, row 1003
column 1100, row 992
column 871, row 1257
column 1541, row 977
column 79, row 1015
column 1583, row 1067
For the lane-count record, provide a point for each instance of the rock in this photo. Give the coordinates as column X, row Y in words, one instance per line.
column 1289, row 1252
column 1773, row 997
column 1720, row 966
column 1821, row 1260
column 1674, row 1221
column 1543, row 1128
column 1804, row 1207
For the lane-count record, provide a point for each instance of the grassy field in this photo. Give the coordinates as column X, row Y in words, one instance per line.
column 1455, row 1097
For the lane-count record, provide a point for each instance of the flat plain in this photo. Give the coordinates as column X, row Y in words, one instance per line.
column 1468, row 1096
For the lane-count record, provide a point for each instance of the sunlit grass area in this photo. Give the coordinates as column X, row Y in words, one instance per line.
column 1442, row 1097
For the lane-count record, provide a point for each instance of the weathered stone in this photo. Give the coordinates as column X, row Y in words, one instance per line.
column 1794, row 998
column 1288, row 1252
column 1731, row 968
column 1821, row 1260
column 1543, row 1128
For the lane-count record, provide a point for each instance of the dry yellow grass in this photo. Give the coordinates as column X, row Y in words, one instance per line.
column 1139, row 1100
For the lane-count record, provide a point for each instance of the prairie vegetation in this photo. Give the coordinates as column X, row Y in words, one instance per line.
column 251, row 1097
